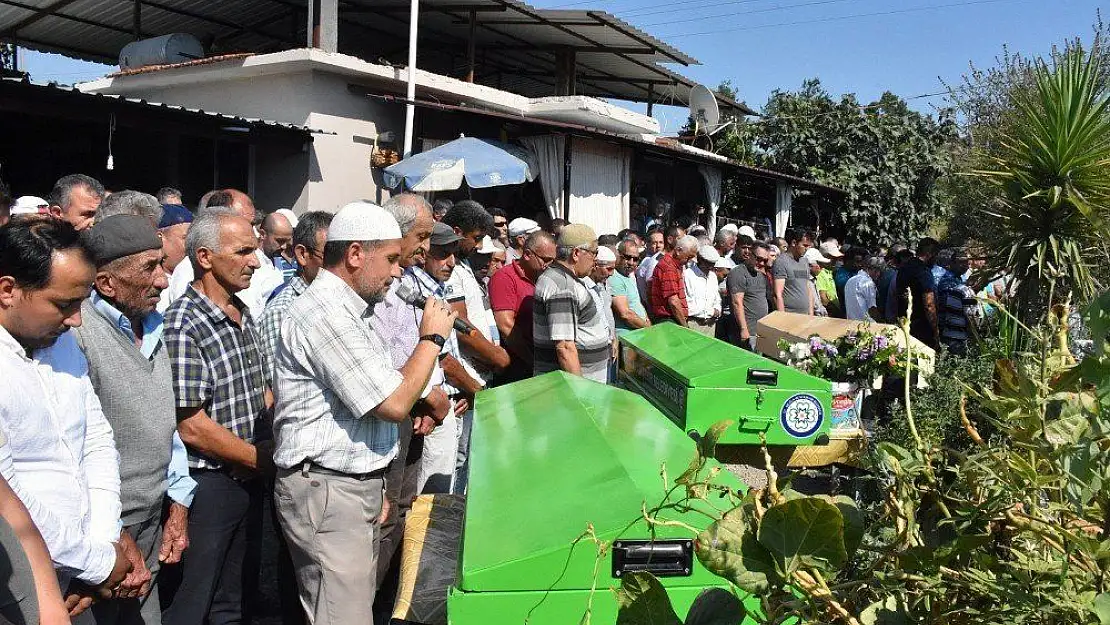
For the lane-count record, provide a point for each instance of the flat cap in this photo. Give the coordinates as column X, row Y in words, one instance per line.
column 119, row 236
column 442, row 234
column 173, row 214
column 577, row 235
column 363, row 221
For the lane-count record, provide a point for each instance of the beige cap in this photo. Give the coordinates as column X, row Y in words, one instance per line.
column 577, row 235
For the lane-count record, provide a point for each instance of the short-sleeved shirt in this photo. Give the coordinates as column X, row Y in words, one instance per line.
column 510, row 289
column 827, row 285
column 217, row 365
column 332, row 369
column 665, row 282
column 463, row 282
column 860, row 296
column 752, row 283
column 645, row 271
column 565, row 310
column 956, row 308
column 625, row 286
column 795, row 293
column 916, row 276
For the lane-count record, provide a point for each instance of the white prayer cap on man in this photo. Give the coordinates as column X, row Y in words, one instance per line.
column 729, row 227
column 709, row 254
column 724, row 263
column 29, row 205
column 363, row 221
column 605, row 255
column 288, row 214
column 489, row 246
column 747, row 231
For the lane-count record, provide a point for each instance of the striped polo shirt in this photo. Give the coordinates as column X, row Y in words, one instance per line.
column 565, row 310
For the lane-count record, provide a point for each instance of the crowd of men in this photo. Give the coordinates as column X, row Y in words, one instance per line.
column 169, row 370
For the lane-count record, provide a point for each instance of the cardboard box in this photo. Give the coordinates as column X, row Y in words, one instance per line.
column 797, row 328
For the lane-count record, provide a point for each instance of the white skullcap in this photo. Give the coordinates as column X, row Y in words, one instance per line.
column 521, row 226
column 709, row 254
column 724, row 263
column 728, row 228
column 605, row 255
column 288, row 214
column 489, row 246
column 363, row 221
column 747, row 231
column 29, row 205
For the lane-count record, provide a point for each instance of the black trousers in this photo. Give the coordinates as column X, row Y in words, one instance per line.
column 225, row 523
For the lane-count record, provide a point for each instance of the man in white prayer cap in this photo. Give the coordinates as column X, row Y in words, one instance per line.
column 339, row 404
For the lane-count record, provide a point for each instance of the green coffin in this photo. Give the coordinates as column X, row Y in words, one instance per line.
column 698, row 380
column 549, row 457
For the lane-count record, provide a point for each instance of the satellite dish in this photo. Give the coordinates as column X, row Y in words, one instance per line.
column 704, row 110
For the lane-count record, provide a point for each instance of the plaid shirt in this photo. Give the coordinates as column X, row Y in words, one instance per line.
column 269, row 324
column 217, row 366
column 665, row 282
column 332, row 369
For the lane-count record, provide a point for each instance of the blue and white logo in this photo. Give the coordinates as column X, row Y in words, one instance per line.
column 802, row 416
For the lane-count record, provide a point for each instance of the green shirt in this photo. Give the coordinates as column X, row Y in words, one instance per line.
column 827, row 285
column 626, row 286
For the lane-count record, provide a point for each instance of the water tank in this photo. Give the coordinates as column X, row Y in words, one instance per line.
column 164, row 50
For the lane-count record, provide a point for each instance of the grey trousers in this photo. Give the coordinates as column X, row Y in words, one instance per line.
column 331, row 525
column 19, row 604
column 143, row 611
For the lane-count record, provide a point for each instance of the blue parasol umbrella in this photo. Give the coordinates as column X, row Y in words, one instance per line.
column 481, row 162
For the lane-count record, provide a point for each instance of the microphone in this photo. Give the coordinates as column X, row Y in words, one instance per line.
column 416, row 300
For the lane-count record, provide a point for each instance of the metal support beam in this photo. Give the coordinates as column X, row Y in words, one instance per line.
column 650, row 98
column 479, row 8
column 617, row 27
column 565, row 70
column 83, row 53
column 556, row 47
column 10, row 32
column 238, row 28
column 329, row 25
column 40, row 14
column 470, row 46
column 137, row 20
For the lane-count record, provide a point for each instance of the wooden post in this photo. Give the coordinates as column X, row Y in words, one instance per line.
column 470, row 45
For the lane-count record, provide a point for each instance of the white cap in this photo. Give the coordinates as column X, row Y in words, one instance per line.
column 815, row 257
column 709, row 254
column 730, row 227
column 747, row 231
column 29, row 205
column 522, row 225
column 489, row 246
column 724, row 263
column 831, row 248
column 363, row 221
column 605, row 255
column 288, row 214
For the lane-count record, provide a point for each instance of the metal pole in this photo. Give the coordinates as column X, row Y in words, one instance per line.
column 470, row 46
column 410, row 94
column 137, row 20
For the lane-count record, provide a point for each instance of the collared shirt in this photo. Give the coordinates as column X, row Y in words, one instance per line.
column 332, row 370
column 957, row 308
column 288, row 268
column 269, row 324
column 180, row 486
column 217, row 365
column 59, row 455
column 625, row 286
column 860, row 296
column 510, row 289
column 665, row 282
column 827, row 284
column 397, row 324
column 420, row 281
column 702, row 297
column 604, row 300
column 463, row 281
column 565, row 310
column 263, row 282
column 644, row 273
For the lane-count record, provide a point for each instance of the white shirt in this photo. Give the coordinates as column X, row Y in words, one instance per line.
column 644, row 272
column 859, row 296
column 331, row 370
column 703, row 299
column 463, row 281
column 265, row 279
column 59, row 455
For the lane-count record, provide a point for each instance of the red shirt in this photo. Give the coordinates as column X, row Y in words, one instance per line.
column 510, row 289
column 665, row 282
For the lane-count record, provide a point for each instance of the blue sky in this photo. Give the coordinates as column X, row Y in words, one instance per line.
column 860, row 46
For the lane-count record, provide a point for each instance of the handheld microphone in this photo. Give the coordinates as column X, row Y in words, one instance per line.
column 416, row 300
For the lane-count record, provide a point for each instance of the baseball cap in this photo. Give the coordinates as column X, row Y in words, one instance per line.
column 605, row 255
column 577, row 235
column 522, row 225
column 831, row 248
column 29, row 205
column 442, row 234
column 815, row 257
column 747, row 231
column 709, row 254
column 173, row 214
column 363, row 221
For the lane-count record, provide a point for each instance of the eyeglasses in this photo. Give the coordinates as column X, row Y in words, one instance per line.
column 588, row 250
column 630, row 257
column 500, row 224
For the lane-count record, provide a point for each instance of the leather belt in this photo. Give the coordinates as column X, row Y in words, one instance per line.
column 308, row 466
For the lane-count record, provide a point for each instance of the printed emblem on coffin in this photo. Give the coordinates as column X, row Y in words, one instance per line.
column 802, row 416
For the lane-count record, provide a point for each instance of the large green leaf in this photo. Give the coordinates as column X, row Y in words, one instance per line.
column 729, row 548
column 716, row 606
column 804, row 532
column 1101, row 608
column 853, row 521
column 889, row 611
column 643, row 601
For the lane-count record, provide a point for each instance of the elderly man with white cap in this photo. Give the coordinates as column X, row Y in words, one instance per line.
column 519, row 229
column 339, row 403
column 703, row 300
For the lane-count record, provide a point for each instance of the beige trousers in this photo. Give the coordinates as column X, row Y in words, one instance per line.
column 707, row 327
column 331, row 525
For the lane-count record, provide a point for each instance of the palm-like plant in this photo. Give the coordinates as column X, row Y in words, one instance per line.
column 1052, row 172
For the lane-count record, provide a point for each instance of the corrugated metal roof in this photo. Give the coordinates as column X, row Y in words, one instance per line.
column 223, row 118
column 516, row 44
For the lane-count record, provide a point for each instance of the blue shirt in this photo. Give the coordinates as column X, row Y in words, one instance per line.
column 287, row 268
column 625, row 286
column 180, row 487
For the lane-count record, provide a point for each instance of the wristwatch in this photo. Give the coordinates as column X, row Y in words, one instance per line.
column 438, row 339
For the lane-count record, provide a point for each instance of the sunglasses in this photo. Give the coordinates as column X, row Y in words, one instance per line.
column 500, row 224
column 630, row 257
